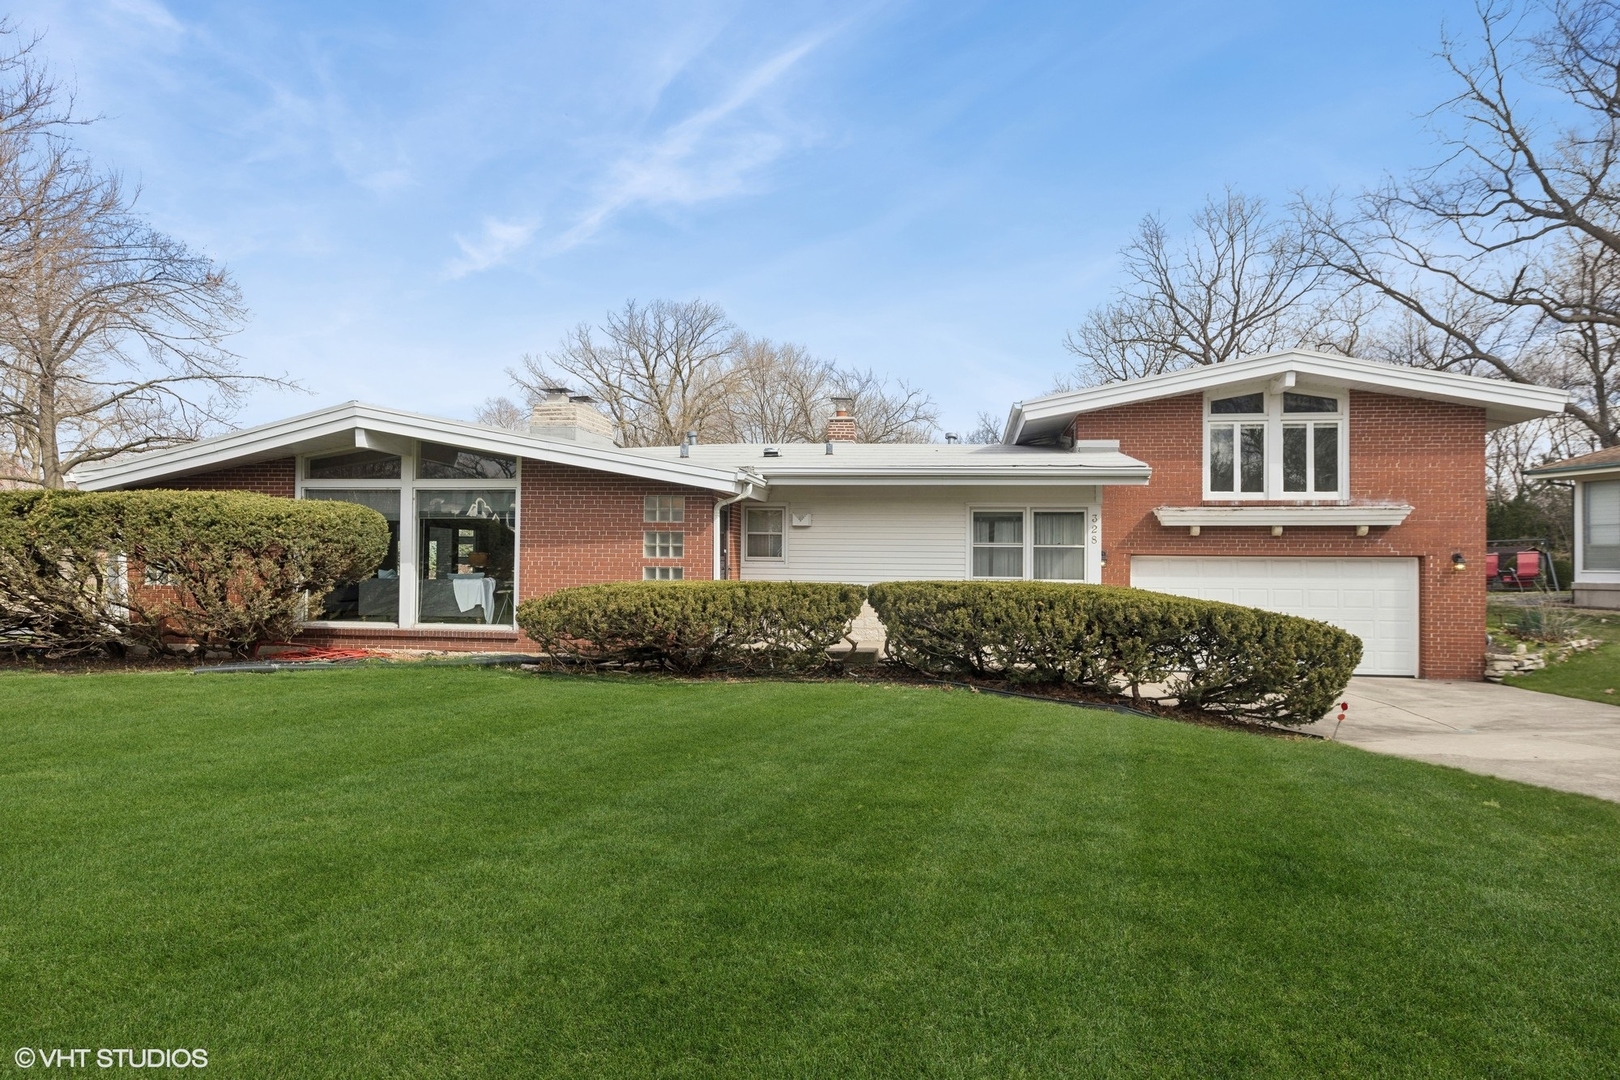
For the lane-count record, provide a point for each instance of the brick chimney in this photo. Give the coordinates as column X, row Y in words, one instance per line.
column 841, row 425
column 560, row 415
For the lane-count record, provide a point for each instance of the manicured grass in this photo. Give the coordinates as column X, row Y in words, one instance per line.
column 1592, row 675
column 438, row 872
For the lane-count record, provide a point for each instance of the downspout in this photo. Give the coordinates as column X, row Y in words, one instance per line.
column 722, row 568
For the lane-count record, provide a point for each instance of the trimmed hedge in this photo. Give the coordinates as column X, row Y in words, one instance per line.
column 1214, row 656
column 221, row 570
column 694, row 626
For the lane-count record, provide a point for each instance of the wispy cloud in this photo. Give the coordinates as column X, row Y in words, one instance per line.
column 698, row 158
column 150, row 12
column 495, row 243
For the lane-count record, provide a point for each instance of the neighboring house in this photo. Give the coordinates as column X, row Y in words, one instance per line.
column 1335, row 488
column 1596, row 478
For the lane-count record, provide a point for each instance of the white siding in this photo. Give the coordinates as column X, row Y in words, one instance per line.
column 865, row 535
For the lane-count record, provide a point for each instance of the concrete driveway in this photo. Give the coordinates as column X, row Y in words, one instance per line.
column 1557, row 742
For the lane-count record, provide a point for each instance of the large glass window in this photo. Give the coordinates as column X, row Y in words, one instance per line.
column 375, row 598
column 998, row 544
column 1600, row 525
column 762, row 532
column 1281, row 451
column 466, row 555
column 359, row 465
column 435, row 461
column 1311, row 457
column 1059, row 545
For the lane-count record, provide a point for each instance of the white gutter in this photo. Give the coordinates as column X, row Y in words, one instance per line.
column 747, row 492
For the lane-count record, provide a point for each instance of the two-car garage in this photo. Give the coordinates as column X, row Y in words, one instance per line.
column 1375, row 599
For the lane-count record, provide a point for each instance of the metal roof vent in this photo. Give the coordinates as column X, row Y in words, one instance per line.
column 771, row 451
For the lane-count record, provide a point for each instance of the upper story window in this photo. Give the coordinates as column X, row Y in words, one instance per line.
column 1264, row 445
column 435, row 461
column 357, row 465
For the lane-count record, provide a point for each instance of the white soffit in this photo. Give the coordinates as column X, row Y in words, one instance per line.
column 1372, row 516
column 357, row 425
column 1504, row 402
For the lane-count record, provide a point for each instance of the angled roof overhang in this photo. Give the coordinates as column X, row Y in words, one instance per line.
column 1604, row 462
column 1044, row 419
column 357, row 425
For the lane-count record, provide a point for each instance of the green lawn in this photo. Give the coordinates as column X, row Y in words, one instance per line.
column 1592, row 675
column 449, row 871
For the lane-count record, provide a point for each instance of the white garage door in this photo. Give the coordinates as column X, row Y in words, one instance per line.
column 1374, row 599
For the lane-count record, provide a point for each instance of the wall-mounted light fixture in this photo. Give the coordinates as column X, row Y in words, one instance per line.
column 1458, row 563
column 1102, row 557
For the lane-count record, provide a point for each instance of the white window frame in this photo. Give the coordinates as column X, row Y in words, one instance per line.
column 407, row 486
column 773, row 560
column 1091, row 532
column 1274, row 419
column 1582, row 574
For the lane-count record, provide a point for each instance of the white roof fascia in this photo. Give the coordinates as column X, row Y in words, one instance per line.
column 1026, row 476
column 1384, row 515
column 374, row 426
column 1504, row 402
column 1577, row 472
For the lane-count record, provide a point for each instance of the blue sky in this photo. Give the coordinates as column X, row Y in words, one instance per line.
column 412, row 196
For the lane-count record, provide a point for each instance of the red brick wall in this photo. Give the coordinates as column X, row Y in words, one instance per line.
column 275, row 477
column 579, row 527
column 1426, row 454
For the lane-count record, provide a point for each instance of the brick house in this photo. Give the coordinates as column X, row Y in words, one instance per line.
column 1339, row 489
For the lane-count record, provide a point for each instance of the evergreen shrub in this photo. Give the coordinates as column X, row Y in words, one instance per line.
column 694, row 626
column 1213, row 656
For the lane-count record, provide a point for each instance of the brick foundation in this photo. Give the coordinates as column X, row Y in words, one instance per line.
column 1427, row 454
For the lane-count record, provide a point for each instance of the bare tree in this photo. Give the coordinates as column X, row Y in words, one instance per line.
column 668, row 368
column 887, row 411
column 660, row 369
column 1244, row 282
column 776, row 393
column 781, row 393
column 987, row 428
column 1505, row 256
column 502, row 412
column 111, row 333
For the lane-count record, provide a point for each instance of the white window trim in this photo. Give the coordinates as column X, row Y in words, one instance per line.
column 774, row 560
column 1091, row 544
column 1582, row 575
column 1273, row 419
column 407, row 486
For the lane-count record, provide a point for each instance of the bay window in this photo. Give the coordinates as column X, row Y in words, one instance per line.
column 1284, row 445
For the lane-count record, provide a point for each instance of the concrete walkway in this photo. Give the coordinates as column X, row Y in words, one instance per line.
column 1557, row 742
